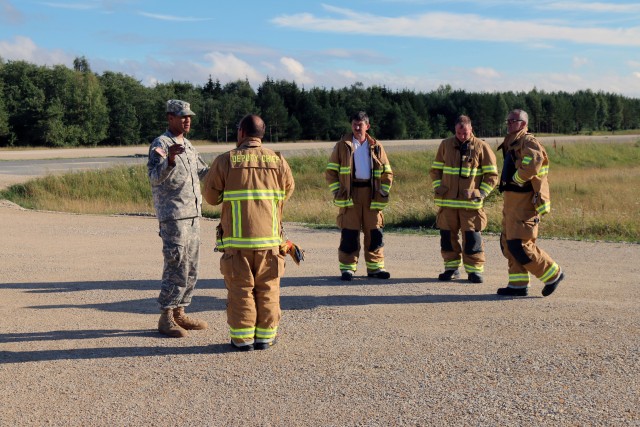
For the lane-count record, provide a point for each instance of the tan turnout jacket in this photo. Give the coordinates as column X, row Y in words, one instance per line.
column 458, row 174
column 526, row 167
column 252, row 182
column 339, row 173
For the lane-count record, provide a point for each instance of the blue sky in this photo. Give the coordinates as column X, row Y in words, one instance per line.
column 480, row 46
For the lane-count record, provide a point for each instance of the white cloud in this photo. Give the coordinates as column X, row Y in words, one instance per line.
column 24, row 49
column 580, row 61
column 487, row 73
column 451, row 26
column 338, row 53
column 636, row 74
column 73, row 6
column 348, row 74
column 229, row 67
column 578, row 6
column 552, row 82
column 394, row 81
column 295, row 70
column 172, row 18
column 9, row 14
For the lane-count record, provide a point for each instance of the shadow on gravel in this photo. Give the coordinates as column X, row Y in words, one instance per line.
column 358, row 280
column 302, row 302
column 287, row 302
column 142, row 285
column 88, row 334
column 109, row 353
column 200, row 303
column 203, row 303
column 154, row 285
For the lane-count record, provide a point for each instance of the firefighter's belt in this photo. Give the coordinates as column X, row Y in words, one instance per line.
column 362, row 183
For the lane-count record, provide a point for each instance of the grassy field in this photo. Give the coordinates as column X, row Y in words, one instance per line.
column 593, row 190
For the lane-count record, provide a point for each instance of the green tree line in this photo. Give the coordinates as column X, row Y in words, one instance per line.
column 57, row 106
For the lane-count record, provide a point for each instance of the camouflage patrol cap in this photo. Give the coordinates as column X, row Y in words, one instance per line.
column 179, row 108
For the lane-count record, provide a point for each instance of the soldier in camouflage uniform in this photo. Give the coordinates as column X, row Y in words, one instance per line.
column 175, row 169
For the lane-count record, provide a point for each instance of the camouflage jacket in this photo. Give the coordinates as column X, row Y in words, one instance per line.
column 176, row 189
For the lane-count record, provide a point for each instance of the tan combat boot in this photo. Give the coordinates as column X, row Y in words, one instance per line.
column 168, row 326
column 188, row 322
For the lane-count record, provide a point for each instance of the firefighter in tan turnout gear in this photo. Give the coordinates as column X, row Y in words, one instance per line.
column 526, row 198
column 360, row 177
column 252, row 182
column 463, row 174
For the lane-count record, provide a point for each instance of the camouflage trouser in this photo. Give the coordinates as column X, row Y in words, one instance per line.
column 181, row 249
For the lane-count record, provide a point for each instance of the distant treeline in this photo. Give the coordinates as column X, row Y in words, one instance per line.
column 62, row 107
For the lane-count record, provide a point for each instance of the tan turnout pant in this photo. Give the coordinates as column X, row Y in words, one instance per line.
column 469, row 222
column 352, row 220
column 252, row 279
column 518, row 242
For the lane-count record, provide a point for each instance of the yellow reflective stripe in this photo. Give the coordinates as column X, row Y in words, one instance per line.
column 377, row 173
column 519, row 277
column 236, row 219
column 471, row 172
column 473, row 269
column 266, row 333
column 544, row 209
column 459, row 204
column 437, row 165
column 386, row 168
column 254, row 195
column 551, row 271
column 526, row 160
column 385, row 187
column 451, row 171
column 333, row 167
column 343, row 203
column 375, row 265
column 486, row 188
column 378, row 205
column 452, row 264
column 351, row 267
column 517, row 179
column 249, row 242
column 345, row 170
column 334, row 186
column 465, row 172
column 543, row 171
column 489, row 168
column 242, row 333
column 275, row 224
column 437, row 183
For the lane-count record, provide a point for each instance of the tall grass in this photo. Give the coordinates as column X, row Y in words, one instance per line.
column 593, row 192
column 116, row 190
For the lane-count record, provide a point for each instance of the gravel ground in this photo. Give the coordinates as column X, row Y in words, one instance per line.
column 78, row 344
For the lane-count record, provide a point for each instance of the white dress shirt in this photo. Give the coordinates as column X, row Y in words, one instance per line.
column 362, row 159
